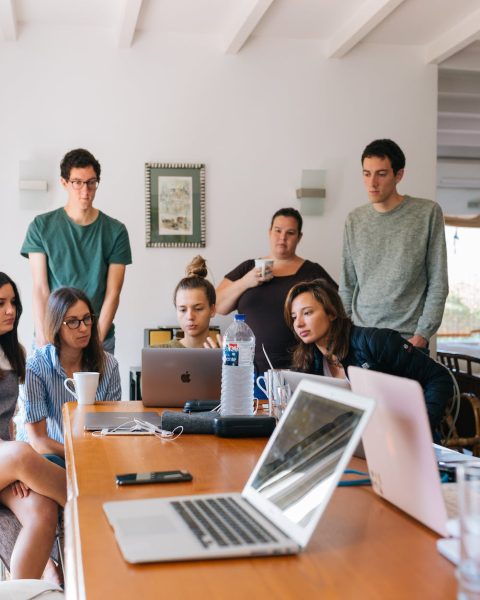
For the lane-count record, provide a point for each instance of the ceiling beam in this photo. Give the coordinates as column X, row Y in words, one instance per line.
column 371, row 14
column 245, row 24
column 8, row 22
column 455, row 39
column 128, row 22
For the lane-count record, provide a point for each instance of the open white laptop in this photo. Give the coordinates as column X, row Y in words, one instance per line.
column 293, row 378
column 280, row 505
column 171, row 376
column 399, row 448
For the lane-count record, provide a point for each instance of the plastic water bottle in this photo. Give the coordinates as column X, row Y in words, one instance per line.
column 237, row 369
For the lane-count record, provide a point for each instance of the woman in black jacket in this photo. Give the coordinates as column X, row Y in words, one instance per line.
column 329, row 343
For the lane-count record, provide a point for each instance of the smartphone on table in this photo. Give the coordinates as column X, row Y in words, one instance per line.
column 153, row 477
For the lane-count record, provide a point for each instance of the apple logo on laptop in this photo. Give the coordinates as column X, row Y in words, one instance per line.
column 185, row 377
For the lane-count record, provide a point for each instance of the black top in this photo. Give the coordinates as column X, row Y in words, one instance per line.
column 263, row 308
column 8, row 396
column 385, row 350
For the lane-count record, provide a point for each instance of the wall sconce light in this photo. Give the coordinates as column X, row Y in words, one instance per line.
column 32, row 185
column 312, row 192
column 33, row 176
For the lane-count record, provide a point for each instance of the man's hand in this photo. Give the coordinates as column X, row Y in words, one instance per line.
column 418, row 341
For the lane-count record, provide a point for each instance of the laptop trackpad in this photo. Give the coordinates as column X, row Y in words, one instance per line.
column 154, row 524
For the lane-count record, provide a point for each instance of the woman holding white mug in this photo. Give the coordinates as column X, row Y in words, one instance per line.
column 74, row 346
column 259, row 289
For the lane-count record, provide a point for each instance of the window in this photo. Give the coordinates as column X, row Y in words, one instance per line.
column 462, row 310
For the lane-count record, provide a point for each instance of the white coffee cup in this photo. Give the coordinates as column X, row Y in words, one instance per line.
column 84, row 386
column 266, row 266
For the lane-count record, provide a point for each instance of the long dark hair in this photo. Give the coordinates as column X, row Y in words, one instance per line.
column 93, row 357
column 339, row 335
column 195, row 279
column 13, row 350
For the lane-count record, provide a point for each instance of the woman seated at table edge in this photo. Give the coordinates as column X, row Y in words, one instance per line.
column 261, row 298
column 74, row 345
column 30, row 486
column 328, row 343
column 194, row 299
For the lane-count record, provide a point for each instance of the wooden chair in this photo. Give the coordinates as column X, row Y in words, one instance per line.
column 466, row 370
column 465, row 434
column 162, row 335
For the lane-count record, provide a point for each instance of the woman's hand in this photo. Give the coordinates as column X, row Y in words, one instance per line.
column 211, row 343
column 254, row 277
column 20, row 489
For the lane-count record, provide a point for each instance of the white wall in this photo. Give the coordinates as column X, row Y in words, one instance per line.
column 256, row 119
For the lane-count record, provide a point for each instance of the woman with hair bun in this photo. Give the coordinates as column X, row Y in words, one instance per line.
column 194, row 299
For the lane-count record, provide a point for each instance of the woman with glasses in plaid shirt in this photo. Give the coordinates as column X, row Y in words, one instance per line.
column 74, row 345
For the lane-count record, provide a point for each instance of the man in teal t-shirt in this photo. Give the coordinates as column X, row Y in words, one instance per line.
column 78, row 246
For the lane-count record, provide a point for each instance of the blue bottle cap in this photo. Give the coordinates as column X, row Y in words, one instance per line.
column 239, row 317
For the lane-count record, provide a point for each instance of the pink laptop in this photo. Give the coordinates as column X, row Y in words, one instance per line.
column 398, row 447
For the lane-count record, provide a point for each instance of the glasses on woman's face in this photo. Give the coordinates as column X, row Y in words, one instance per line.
column 74, row 323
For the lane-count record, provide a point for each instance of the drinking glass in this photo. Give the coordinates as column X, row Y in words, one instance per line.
column 468, row 572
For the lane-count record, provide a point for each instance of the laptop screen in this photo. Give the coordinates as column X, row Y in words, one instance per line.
column 296, row 474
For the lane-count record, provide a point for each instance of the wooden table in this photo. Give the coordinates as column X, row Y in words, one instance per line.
column 363, row 547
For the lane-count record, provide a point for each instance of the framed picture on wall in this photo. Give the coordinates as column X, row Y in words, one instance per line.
column 175, row 205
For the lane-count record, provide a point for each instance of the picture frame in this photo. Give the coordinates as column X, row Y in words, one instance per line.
column 175, row 205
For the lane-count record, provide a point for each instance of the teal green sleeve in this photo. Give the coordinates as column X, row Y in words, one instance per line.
column 121, row 252
column 33, row 240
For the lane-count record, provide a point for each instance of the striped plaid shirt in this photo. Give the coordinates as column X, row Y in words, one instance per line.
column 43, row 394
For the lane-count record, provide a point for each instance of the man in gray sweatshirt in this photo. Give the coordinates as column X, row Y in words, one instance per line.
column 394, row 271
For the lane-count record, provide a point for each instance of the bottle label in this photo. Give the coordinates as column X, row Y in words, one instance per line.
column 231, row 354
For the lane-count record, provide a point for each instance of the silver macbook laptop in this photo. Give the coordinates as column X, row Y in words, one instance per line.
column 171, row 376
column 96, row 421
column 280, row 505
column 399, row 448
column 293, row 378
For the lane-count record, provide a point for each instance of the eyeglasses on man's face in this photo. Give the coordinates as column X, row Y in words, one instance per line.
column 77, row 184
column 74, row 323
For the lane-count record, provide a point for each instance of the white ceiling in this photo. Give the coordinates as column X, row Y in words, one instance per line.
column 441, row 28
column 447, row 32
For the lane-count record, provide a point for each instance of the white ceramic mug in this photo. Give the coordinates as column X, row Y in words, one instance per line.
column 84, row 386
column 266, row 266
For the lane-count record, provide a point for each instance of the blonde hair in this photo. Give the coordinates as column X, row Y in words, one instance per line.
column 196, row 273
column 197, row 267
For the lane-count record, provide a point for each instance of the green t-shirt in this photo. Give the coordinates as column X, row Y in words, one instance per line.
column 79, row 255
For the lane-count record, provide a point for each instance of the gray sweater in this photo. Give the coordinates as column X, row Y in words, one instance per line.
column 394, row 271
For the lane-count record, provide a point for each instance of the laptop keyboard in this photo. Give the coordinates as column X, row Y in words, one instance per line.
column 221, row 522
